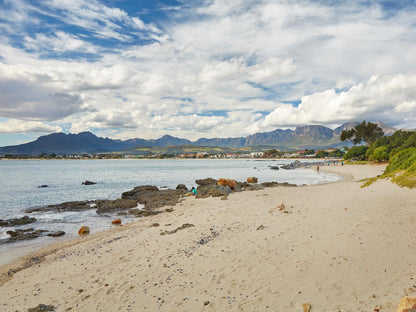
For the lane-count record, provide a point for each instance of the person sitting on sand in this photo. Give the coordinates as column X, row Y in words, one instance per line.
column 193, row 191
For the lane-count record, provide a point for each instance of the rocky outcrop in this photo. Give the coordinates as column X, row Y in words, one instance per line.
column 67, row 206
column 227, row 182
column 182, row 187
column 56, row 234
column 106, row 206
column 293, row 165
column 151, row 197
column 252, row 180
column 207, row 181
column 213, row 190
column 25, row 234
column 17, row 221
column 245, row 186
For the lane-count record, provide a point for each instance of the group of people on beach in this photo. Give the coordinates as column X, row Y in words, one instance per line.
column 334, row 162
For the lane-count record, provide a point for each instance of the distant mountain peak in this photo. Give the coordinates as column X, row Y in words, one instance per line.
column 308, row 136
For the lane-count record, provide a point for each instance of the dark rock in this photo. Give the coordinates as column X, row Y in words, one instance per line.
column 56, row 234
column 274, row 167
column 17, row 221
column 151, row 197
column 25, row 234
column 213, row 190
column 293, row 165
column 104, row 206
column 274, row 184
column 42, row 186
column 88, row 183
column 182, row 187
column 67, row 206
column 42, row 308
column 138, row 189
column 207, row 181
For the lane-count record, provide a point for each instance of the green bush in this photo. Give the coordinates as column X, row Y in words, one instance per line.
column 356, row 153
column 380, row 154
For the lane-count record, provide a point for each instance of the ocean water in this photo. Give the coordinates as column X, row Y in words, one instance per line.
column 19, row 181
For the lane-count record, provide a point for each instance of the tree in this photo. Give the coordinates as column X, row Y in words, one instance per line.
column 366, row 132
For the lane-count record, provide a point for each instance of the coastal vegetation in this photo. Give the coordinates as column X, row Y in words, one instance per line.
column 399, row 150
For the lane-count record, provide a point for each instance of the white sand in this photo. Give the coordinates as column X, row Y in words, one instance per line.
column 340, row 248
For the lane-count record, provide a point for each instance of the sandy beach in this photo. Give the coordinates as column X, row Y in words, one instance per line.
column 338, row 247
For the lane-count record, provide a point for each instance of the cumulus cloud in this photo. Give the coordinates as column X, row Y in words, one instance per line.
column 246, row 58
column 19, row 126
column 391, row 99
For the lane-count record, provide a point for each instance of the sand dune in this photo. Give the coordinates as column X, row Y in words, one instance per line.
column 337, row 246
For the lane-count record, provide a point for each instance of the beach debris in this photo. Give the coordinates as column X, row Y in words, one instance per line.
column 306, row 307
column 281, row 207
column 206, row 303
column 56, row 234
column 261, row 227
column 104, row 206
column 252, row 180
column 274, row 167
column 154, row 225
column 227, row 182
column 169, row 210
column 17, row 221
column 116, row 222
column 42, row 308
column 88, row 183
column 407, row 304
column 84, row 230
column 183, row 226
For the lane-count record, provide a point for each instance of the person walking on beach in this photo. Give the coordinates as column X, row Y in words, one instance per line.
column 317, row 169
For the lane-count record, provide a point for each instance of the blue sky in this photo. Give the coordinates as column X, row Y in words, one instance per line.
column 192, row 69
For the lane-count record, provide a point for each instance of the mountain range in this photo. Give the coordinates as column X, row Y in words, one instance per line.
column 310, row 136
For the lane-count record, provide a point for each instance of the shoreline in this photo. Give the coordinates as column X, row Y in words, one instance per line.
column 327, row 247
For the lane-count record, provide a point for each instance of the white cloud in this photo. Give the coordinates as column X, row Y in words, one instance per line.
column 391, row 99
column 19, row 126
column 58, row 42
column 238, row 57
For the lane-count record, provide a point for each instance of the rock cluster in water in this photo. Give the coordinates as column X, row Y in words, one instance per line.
column 151, row 197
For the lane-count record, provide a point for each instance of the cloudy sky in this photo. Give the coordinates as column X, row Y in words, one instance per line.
column 203, row 68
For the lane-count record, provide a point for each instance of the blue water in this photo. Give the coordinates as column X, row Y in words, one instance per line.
column 19, row 181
